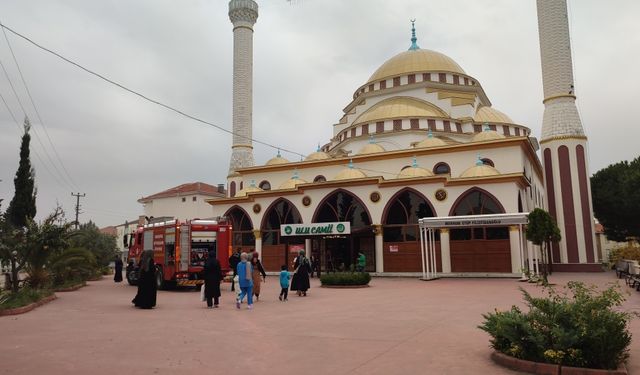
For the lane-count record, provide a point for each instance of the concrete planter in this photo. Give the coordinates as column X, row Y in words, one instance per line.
column 549, row 368
column 27, row 308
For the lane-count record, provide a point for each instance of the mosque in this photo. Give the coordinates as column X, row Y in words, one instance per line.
column 420, row 139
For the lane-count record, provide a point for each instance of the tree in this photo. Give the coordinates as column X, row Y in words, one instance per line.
column 102, row 246
column 23, row 205
column 541, row 231
column 616, row 199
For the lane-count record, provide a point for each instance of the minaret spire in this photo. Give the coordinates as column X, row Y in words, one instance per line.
column 414, row 45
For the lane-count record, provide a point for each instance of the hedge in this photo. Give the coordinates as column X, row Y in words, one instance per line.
column 345, row 278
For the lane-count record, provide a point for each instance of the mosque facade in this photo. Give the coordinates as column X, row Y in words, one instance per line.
column 419, row 139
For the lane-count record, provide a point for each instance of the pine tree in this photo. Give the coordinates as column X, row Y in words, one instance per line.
column 22, row 208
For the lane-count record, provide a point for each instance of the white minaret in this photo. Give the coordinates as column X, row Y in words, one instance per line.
column 564, row 143
column 243, row 14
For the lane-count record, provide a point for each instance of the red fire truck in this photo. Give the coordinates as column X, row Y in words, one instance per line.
column 180, row 250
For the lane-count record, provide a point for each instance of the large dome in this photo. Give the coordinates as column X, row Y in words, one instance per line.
column 414, row 61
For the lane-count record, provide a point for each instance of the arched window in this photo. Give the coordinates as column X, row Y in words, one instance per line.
column 280, row 212
column 487, row 161
column 343, row 206
column 401, row 216
column 320, row 178
column 441, row 168
column 265, row 185
column 478, row 202
column 242, row 227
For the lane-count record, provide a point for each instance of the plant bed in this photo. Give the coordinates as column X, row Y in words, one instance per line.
column 345, row 286
column 345, row 279
column 582, row 330
column 24, row 301
column 549, row 368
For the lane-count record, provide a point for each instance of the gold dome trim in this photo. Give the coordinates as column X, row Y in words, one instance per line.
column 292, row 183
column 411, row 172
column 487, row 135
column 349, row 174
column 277, row 160
column 398, row 107
column 249, row 189
column 480, row 171
column 371, row 148
column 414, row 61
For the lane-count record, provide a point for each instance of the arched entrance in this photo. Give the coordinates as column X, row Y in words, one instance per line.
column 275, row 249
column 479, row 249
column 243, row 238
column 401, row 236
column 339, row 252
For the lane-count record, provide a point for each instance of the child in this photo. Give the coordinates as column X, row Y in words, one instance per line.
column 284, row 283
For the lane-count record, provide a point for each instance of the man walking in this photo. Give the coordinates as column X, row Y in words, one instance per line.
column 234, row 259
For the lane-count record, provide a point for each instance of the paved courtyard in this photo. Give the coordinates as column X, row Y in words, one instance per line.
column 396, row 326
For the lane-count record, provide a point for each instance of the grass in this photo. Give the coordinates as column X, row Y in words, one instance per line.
column 24, row 297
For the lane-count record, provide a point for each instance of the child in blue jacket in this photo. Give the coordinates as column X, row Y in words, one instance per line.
column 284, row 283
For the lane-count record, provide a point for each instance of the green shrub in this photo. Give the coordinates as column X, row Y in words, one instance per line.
column 72, row 265
column 628, row 252
column 345, row 278
column 23, row 297
column 578, row 327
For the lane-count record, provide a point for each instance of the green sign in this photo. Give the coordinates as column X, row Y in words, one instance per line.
column 316, row 229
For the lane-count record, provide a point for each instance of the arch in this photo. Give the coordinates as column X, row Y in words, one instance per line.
column 493, row 207
column 441, row 168
column 265, row 185
column 342, row 205
column 401, row 214
column 242, row 227
column 320, row 178
column 280, row 211
column 232, row 189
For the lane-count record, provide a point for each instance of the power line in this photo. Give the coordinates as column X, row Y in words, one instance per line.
column 192, row 117
column 24, row 82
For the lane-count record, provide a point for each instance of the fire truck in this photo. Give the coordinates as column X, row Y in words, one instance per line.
column 180, row 249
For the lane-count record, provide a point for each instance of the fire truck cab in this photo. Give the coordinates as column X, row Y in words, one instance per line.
column 180, row 250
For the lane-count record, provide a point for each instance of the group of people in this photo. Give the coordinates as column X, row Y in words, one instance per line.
column 247, row 269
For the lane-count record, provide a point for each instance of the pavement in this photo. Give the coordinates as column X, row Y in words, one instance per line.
column 398, row 325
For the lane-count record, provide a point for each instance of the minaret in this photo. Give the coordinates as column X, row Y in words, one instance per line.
column 243, row 14
column 564, row 143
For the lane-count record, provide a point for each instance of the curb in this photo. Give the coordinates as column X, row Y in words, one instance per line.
column 29, row 307
column 345, row 286
column 549, row 368
column 71, row 288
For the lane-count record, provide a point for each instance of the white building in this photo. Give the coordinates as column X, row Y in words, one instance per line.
column 186, row 201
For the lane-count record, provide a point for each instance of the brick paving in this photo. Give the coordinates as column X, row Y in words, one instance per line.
column 398, row 325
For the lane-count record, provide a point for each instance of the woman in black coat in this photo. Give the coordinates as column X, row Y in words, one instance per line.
column 300, row 280
column 212, row 278
column 117, row 275
column 147, row 289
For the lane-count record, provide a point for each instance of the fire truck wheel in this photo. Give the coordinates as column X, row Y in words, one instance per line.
column 132, row 278
column 159, row 279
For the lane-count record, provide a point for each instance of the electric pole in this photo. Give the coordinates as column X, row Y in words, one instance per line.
column 78, row 195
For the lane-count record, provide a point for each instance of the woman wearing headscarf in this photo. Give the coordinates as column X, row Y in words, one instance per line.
column 212, row 278
column 258, row 274
column 300, row 280
column 245, row 281
column 117, row 274
column 146, row 297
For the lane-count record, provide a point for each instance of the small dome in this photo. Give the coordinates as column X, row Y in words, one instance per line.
column 318, row 155
column 431, row 141
column 277, row 160
column 480, row 170
column 371, row 148
column 491, row 115
column 350, row 173
column 292, row 182
column 487, row 135
column 249, row 189
column 414, row 171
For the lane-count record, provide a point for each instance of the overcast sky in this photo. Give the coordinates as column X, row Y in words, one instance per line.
column 309, row 58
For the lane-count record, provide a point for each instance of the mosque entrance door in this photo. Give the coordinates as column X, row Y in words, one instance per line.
column 340, row 253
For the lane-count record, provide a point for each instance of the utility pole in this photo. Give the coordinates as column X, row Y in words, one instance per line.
column 78, row 195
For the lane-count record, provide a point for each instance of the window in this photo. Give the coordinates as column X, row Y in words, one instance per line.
column 184, row 199
column 401, row 221
column 281, row 212
column 383, row 84
column 193, row 199
column 412, row 78
column 442, row 77
column 456, row 79
column 396, row 81
column 476, row 202
column 415, row 124
column 232, row 189
column 441, row 168
column 380, row 127
column 426, row 77
column 432, row 124
column 447, row 126
column 397, row 125
column 371, row 87
column 487, row 161
column 320, row 178
column 265, row 185
column 477, row 128
column 505, row 130
column 365, row 129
